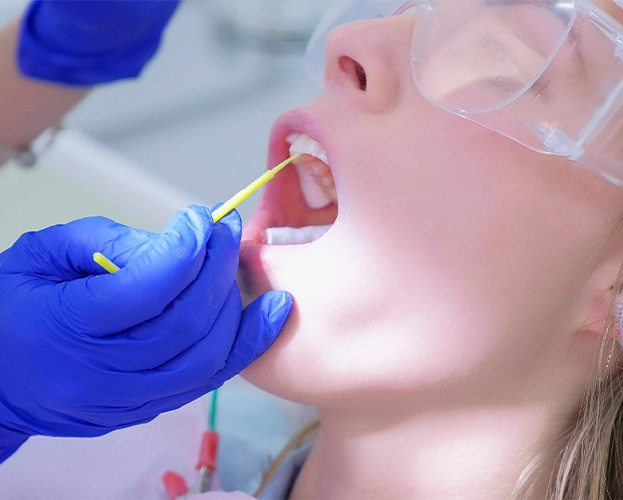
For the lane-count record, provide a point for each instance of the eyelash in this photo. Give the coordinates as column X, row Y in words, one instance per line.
column 488, row 39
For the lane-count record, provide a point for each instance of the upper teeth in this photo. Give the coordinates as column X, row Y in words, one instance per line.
column 315, row 177
column 301, row 143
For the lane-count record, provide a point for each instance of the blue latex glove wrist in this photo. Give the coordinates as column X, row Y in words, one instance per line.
column 85, row 352
column 10, row 441
column 90, row 41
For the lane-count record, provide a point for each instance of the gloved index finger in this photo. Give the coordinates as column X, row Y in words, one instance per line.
column 64, row 252
column 150, row 280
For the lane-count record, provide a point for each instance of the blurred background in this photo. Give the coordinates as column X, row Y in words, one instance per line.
column 197, row 119
column 193, row 128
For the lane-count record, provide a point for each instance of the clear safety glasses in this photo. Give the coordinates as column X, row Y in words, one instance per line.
column 545, row 73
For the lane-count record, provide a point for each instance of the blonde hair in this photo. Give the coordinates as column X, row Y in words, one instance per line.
column 587, row 458
column 305, row 435
column 589, row 461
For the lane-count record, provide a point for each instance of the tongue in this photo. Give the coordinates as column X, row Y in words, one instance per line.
column 294, row 235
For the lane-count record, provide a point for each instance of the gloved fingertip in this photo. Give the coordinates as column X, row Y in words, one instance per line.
column 194, row 221
column 278, row 306
column 233, row 221
column 209, row 214
column 200, row 217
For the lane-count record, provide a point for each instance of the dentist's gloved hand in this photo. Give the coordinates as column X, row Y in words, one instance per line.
column 86, row 42
column 83, row 352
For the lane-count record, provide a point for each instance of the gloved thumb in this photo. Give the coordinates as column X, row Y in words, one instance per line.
column 261, row 323
column 150, row 280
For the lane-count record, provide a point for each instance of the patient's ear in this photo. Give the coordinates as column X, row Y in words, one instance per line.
column 600, row 292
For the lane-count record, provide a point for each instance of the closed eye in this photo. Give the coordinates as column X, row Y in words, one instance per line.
column 511, row 85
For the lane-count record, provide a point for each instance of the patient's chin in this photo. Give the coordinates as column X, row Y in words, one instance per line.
column 246, row 291
column 271, row 371
column 263, row 372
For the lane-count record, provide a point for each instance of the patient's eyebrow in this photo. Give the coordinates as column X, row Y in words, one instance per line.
column 539, row 3
column 574, row 34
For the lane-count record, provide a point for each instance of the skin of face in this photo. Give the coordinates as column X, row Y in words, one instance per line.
column 461, row 267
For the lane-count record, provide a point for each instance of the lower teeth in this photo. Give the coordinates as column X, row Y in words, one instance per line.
column 294, row 235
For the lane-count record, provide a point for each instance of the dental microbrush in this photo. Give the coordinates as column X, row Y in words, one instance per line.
column 221, row 211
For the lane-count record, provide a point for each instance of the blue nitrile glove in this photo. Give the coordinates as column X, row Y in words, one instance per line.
column 90, row 41
column 83, row 352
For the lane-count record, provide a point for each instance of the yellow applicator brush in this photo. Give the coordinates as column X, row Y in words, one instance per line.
column 221, row 211
column 244, row 193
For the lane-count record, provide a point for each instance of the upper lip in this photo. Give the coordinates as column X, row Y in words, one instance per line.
column 295, row 121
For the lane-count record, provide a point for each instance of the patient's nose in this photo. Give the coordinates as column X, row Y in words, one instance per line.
column 369, row 60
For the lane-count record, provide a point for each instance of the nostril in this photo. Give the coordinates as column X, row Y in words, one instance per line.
column 355, row 71
column 361, row 74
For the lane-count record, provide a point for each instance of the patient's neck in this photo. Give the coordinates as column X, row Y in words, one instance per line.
column 466, row 453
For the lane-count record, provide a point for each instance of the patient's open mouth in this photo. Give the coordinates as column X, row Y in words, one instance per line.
column 296, row 214
column 317, row 187
column 299, row 206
